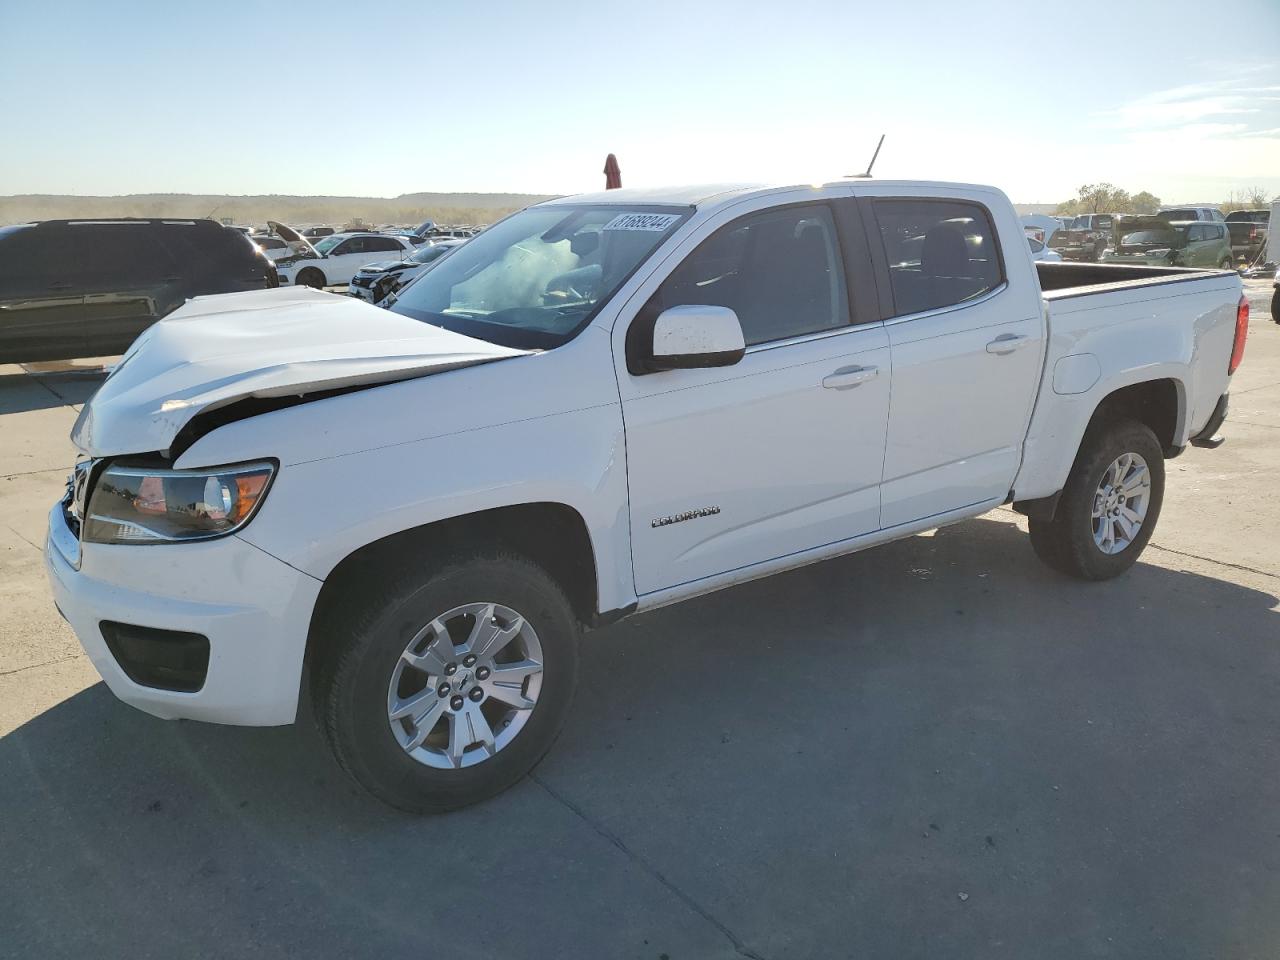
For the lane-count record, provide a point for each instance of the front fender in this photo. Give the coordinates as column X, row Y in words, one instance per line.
column 320, row 512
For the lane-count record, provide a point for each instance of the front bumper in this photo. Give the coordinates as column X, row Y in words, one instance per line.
column 362, row 291
column 254, row 609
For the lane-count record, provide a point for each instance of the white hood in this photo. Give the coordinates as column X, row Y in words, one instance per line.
column 265, row 343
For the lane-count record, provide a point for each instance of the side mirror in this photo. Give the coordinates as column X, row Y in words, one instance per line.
column 695, row 336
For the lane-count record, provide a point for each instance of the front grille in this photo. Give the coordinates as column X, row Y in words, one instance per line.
column 76, row 499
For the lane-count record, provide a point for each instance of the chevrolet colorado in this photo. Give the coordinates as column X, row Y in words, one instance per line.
column 601, row 405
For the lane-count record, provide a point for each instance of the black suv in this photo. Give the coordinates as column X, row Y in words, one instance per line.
column 87, row 288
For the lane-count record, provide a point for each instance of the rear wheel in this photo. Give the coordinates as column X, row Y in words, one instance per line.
column 1275, row 305
column 451, row 685
column 1109, row 506
column 310, row 277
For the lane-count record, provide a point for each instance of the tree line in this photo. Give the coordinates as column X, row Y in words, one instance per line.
column 1108, row 198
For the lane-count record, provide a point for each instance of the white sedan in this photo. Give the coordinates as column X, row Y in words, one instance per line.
column 335, row 259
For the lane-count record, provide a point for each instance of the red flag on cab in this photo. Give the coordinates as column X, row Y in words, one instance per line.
column 612, row 173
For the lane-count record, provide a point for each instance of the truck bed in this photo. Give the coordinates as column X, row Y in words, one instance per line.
column 1059, row 281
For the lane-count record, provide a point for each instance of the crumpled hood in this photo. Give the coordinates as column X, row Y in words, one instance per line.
column 384, row 266
column 286, row 341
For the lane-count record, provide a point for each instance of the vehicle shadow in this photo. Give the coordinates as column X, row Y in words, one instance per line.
column 24, row 392
column 1093, row 765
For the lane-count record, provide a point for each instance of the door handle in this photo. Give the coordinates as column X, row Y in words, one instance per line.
column 1007, row 343
column 846, row 378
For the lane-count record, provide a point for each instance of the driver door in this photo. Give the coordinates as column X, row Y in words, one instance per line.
column 781, row 453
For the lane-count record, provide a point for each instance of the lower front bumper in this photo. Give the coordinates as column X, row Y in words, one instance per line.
column 254, row 610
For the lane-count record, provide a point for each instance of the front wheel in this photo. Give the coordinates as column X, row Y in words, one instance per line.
column 311, row 277
column 1109, row 505
column 1275, row 305
column 450, row 686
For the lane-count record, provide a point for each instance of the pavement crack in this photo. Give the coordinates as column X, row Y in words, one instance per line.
column 1221, row 563
column 23, row 539
column 32, row 473
column 37, row 666
column 739, row 947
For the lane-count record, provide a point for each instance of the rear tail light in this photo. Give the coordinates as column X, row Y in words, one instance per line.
column 1242, row 333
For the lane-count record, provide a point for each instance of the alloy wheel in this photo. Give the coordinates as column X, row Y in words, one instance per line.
column 465, row 685
column 1120, row 503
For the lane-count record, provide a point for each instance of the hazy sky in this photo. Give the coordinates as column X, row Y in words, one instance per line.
column 377, row 99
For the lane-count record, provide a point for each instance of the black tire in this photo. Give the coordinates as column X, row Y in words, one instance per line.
column 310, row 277
column 1275, row 305
column 359, row 651
column 1066, row 542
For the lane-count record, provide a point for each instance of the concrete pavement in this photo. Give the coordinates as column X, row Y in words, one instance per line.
column 938, row 748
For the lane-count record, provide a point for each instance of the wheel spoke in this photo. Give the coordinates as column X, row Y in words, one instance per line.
column 507, row 683
column 481, row 732
column 1127, row 528
column 426, row 722
column 414, row 706
column 1138, row 480
column 1107, row 534
column 438, row 654
column 466, row 728
column 488, row 638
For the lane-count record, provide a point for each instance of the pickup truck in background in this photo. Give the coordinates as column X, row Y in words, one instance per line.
column 602, row 405
column 1084, row 238
column 1248, row 233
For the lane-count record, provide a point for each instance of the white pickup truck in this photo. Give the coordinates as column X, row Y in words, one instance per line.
column 601, row 405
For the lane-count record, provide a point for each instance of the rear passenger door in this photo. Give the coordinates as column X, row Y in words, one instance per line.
column 129, row 278
column 966, row 355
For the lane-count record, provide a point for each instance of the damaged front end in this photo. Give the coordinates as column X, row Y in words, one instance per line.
column 224, row 358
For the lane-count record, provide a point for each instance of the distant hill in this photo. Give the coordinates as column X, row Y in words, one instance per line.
column 408, row 209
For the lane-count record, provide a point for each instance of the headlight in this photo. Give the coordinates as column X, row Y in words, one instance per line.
column 1159, row 252
column 152, row 505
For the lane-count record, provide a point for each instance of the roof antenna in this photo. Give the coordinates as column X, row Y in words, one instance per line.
column 867, row 175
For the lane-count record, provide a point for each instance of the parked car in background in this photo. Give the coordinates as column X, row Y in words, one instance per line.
column 71, row 288
column 1042, row 253
column 335, row 259
column 376, row 281
column 315, row 233
column 1158, row 242
column 1206, row 214
column 1040, row 226
column 274, row 247
column 1084, row 238
column 1248, row 229
column 604, row 405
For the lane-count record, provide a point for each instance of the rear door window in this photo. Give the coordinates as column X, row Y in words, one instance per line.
column 939, row 252
column 120, row 256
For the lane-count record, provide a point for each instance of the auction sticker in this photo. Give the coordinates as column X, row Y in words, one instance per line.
column 656, row 222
